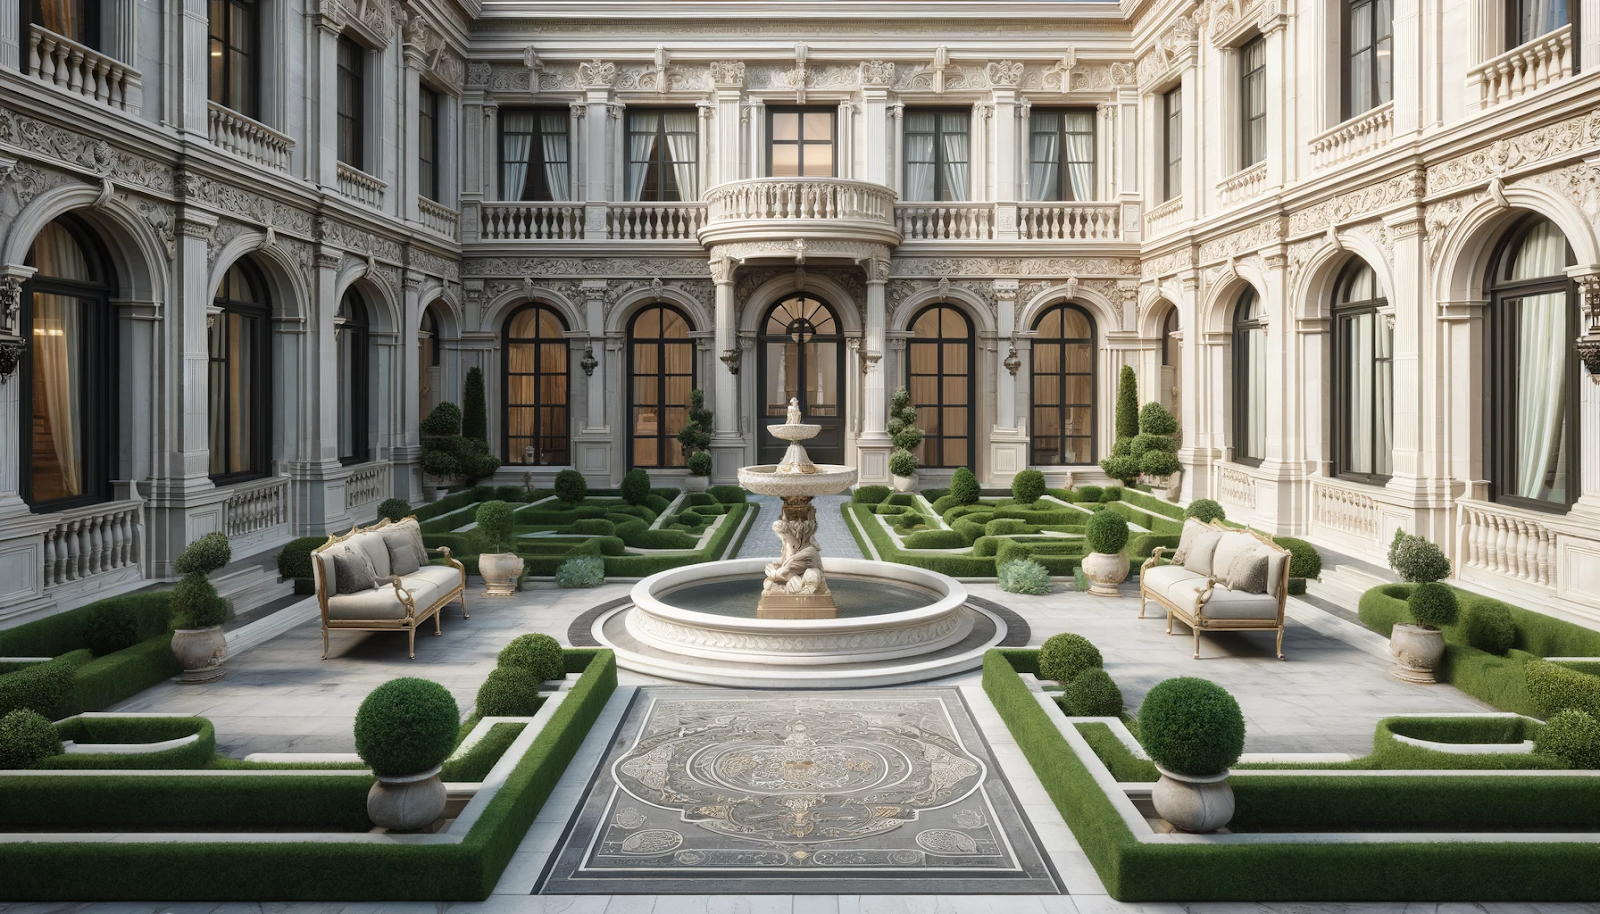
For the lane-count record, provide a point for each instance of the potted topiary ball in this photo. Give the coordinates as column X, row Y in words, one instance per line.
column 198, row 611
column 1194, row 731
column 903, row 471
column 1106, row 565
column 498, row 565
column 405, row 730
column 1418, row 646
column 699, row 478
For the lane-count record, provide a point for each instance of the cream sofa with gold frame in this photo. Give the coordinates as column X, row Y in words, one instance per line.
column 403, row 605
column 1202, row 603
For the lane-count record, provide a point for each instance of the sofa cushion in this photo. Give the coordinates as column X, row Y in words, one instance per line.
column 402, row 555
column 1158, row 579
column 1229, row 548
column 381, row 604
column 322, row 568
column 1248, row 573
column 1224, row 603
column 445, row 577
column 1200, row 558
column 377, row 552
column 413, row 529
column 352, row 569
column 1277, row 567
column 1192, row 529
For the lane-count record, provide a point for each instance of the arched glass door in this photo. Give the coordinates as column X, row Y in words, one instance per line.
column 802, row 357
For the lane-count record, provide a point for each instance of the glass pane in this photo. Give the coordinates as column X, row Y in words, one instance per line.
column 1541, row 253
column 1541, row 404
column 1383, row 400
column 818, row 125
column 242, row 342
column 819, row 160
column 955, row 452
column 785, row 160
column 57, row 254
column 785, row 125
column 57, row 454
column 822, row 381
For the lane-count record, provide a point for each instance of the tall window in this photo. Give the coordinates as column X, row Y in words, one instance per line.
column 1249, row 380
column 1534, row 372
column 239, row 395
column 427, row 362
column 428, row 144
column 663, row 159
column 68, row 397
column 75, row 19
column 938, row 151
column 1172, row 143
column 352, row 102
column 352, row 327
column 1169, row 346
column 536, row 387
column 940, row 379
column 661, row 363
column 1369, row 62
column 1061, row 154
column 1532, row 18
column 1252, row 102
column 800, row 142
column 1063, row 387
column 801, row 357
column 533, row 154
column 235, row 47
column 1363, row 384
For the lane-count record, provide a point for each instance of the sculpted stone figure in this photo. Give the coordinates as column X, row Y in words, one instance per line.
column 799, row 571
column 794, row 411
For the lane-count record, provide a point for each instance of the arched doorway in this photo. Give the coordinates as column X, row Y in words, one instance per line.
column 1063, row 388
column 801, row 356
column 535, row 391
column 939, row 378
column 661, row 373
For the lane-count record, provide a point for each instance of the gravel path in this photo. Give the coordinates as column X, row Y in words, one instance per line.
column 832, row 535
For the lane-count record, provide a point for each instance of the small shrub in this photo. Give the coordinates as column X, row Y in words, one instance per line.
column 1111, row 494
column 1395, row 544
column 109, row 627
column 41, row 687
column 903, row 464
column 406, row 726
column 1027, row 486
column 1572, row 736
column 537, row 654
column 1024, row 576
column 870, row 495
column 1487, row 626
column 594, row 526
column 1419, row 561
column 1090, row 494
column 936, row 539
column 474, row 406
column 1159, row 463
column 1124, row 468
column 1122, row 447
column 1191, row 726
column 728, row 495
column 196, row 604
column 1304, row 559
column 294, row 560
column 964, row 487
column 1433, row 605
column 1092, row 693
column 1062, row 657
column 695, row 437
column 26, row 739
column 1107, row 532
column 571, row 487
column 442, row 420
column 657, row 504
column 1155, row 420
column 944, row 504
column 1080, row 581
column 581, row 571
column 509, row 692
column 1205, row 510
column 1145, row 443
column 394, row 509
column 204, row 555
column 636, row 487
column 699, row 463
column 510, row 494
column 1555, row 688
column 1007, row 526
column 494, row 519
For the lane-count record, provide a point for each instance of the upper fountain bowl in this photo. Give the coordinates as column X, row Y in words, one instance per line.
column 823, row 479
column 794, row 431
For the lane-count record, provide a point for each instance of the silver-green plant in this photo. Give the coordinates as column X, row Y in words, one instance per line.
column 581, row 571
column 1024, row 576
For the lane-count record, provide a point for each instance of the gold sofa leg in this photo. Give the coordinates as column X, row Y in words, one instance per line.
column 412, row 633
column 1141, row 599
column 324, row 642
column 1280, row 642
column 436, row 614
column 1197, row 642
column 464, row 613
column 1169, row 621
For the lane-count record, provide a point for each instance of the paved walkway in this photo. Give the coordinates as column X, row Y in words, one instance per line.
column 832, row 535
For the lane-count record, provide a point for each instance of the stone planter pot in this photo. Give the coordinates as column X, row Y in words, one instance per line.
column 201, row 652
column 1416, row 652
column 905, row 483
column 694, row 483
column 500, row 571
column 1105, row 571
column 1193, row 804
column 406, row 803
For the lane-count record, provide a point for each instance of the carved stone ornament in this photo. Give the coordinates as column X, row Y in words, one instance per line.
column 727, row 74
column 1005, row 74
column 1589, row 355
column 11, row 356
column 877, row 73
column 10, row 305
column 597, row 74
column 730, row 358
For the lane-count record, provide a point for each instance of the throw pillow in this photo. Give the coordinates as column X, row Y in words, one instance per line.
column 1248, row 574
column 1191, row 531
column 1231, row 547
column 413, row 530
column 377, row 553
column 402, row 556
column 353, row 570
column 1205, row 545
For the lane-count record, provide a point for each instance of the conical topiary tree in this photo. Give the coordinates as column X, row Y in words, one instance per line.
column 1122, row 465
column 695, row 437
column 903, row 431
column 475, row 407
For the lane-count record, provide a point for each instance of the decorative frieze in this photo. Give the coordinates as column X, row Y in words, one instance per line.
column 87, row 153
column 584, row 266
column 1519, row 150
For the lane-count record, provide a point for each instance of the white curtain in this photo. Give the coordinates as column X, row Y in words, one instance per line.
column 921, row 159
column 1383, row 384
column 682, row 142
column 1359, row 344
column 956, row 157
column 641, row 149
column 1256, row 417
column 57, row 338
column 553, row 131
column 1044, row 156
column 1080, row 154
column 515, row 143
column 1541, row 368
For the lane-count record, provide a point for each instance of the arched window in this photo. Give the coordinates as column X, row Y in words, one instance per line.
column 1169, row 346
column 802, row 357
column 536, row 387
column 68, row 397
column 1063, row 387
column 239, row 393
column 1171, row 373
column 661, row 364
column 352, row 329
column 939, row 377
column 1249, row 380
column 427, row 362
column 1363, row 377
column 1533, row 370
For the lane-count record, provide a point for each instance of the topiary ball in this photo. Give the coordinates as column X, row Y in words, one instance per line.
column 1433, row 605
column 1155, row 420
column 1487, row 626
column 636, row 487
column 1572, row 736
column 294, row 561
column 196, row 603
column 406, row 726
column 1092, row 693
column 1159, row 463
column 494, row 522
column 903, row 464
column 1125, row 468
column 109, row 628
column 1304, row 559
column 1107, row 532
column 1062, row 657
column 509, row 692
column 1191, row 726
column 444, row 419
column 964, row 486
column 1419, row 561
column 571, row 487
column 1027, row 486
column 699, row 464
column 538, row 654
column 1089, row 494
column 1205, row 510
column 26, row 739
column 394, row 509
column 204, row 555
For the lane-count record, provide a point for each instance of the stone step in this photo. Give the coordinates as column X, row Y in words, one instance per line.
column 251, row 586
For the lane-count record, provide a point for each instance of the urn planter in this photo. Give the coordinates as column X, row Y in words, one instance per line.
column 201, row 652
column 1416, row 651
column 500, row 571
column 905, row 483
column 1193, row 803
column 1105, row 571
column 406, row 803
column 695, row 484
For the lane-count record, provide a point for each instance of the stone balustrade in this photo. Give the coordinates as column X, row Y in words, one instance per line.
column 1343, row 508
column 1356, row 136
column 655, row 221
column 1069, row 221
column 367, row 484
column 82, row 70
column 1524, row 69
column 1164, row 218
column 256, row 506
column 1243, row 185
column 790, row 210
column 95, row 540
column 439, row 218
column 530, row 221
column 945, row 221
column 251, row 139
column 359, row 186
column 1235, row 486
column 1506, row 542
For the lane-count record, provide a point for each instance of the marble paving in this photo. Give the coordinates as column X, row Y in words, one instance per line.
column 884, row 791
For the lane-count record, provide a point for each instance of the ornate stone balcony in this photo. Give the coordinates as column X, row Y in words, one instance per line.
column 81, row 70
column 1069, row 221
column 1361, row 134
column 359, row 186
column 249, row 138
column 1524, row 69
column 439, row 217
column 800, row 212
column 1243, row 185
column 517, row 221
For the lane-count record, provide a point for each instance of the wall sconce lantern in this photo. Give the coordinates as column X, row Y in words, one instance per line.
column 588, row 363
column 1012, row 361
column 730, row 358
column 1589, row 344
column 11, row 356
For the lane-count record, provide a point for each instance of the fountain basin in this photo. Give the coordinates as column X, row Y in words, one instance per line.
column 828, row 479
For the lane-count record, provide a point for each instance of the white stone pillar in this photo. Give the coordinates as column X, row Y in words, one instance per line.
column 414, row 62
column 405, row 438
column 874, row 445
column 727, row 446
column 595, row 148
column 728, row 78
column 594, row 302
column 326, row 61
column 1280, row 130
column 12, row 276
column 1008, row 444
column 11, row 43
column 489, row 150
column 1588, row 393
column 1005, row 164
column 875, row 160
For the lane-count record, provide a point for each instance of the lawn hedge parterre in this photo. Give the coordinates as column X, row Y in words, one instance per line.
column 76, row 680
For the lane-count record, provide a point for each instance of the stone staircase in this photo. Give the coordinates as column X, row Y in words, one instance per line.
column 251, row 583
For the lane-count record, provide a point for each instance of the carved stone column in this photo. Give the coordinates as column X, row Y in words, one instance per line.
column 1588, row 392
column 406, row 440
column 1008, row 446
column 597, row 443
column 326, row 39
column 13, row 351
column 411, row 104
column 727, row 446
column 874, row 445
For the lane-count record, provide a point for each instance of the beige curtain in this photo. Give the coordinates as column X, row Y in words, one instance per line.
column 57, row 338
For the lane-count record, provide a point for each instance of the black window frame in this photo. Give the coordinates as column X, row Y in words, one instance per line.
column 1172, row 143
column 1062, row 375
column 1345, row 310
column 1169, row 326
column 355, row 342
column 535, row 177
column 1063, row 180
column 261, row 374
column 802, row 142
column 1350, row 106
column 937, row 434
column 88, row 32
column 941, row 193
column 1246, row 320
column 662, row 437
column 661, row 162
column 220, row 37
column 97, row 363
column 829, row 444
column 351, row 103
column 514, row 457
column 1249, row 155
column 428, row 171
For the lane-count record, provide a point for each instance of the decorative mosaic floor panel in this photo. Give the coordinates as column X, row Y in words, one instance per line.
column 788, row 792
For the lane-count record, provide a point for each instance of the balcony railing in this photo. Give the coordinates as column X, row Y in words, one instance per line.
column 655, row 221
column 945, row 221
column 1356, row 136
column 793, row 209
column 1164, row 218
column 1524, row 69
column 82, row 70
column 367, row 484
column 1243, row 185
column 1235, row 486
column 1508, row 543
column 1069, row 221
column 521, row 221
column 439, row 217
column 360, row 186
column 1344, row 509
column 230, row 130
column 93, row 541
column 255, row 507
